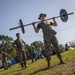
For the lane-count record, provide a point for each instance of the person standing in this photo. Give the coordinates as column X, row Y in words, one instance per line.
column 4, row 60
column 20, row 44
column 48, row 36
column 32, row 52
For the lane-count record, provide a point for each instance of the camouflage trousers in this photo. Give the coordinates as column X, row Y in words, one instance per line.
column 22, row 58
column 4, row 63
column 50, row 41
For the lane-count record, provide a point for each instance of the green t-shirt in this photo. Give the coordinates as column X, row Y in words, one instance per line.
column 19, row 43
column 46, row 27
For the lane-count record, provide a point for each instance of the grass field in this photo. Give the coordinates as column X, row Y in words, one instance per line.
column 39, row 67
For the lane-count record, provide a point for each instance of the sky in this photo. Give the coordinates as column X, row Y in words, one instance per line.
column 28, row 10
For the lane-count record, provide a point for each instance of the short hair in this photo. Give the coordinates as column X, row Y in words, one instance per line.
column 41, row 15
column 17, row 33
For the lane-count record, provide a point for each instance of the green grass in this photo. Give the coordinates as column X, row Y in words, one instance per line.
column 39, row 67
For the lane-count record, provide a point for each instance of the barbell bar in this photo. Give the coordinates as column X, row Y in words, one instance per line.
column 63, row 16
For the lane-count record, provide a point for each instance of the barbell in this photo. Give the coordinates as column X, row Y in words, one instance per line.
column 63, row 16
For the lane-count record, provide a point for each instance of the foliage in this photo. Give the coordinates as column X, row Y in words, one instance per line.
column 5, row 46
column 38, row 44
column 28, row 52
column 6, row 41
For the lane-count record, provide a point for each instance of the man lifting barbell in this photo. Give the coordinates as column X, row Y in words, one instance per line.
column 48, row 32
column 63, row 16
column 49, row 37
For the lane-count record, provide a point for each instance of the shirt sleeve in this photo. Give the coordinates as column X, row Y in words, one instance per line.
column 51, row 23
column 22, row 40
column 38, row 26
column 14, row 42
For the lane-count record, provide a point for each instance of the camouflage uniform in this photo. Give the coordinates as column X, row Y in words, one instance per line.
column 4, row 60
column 32, row 53
column 49, row 38
column 21, row 52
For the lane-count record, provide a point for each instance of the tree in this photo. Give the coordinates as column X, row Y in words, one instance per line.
column 28, row 52
column 6, row 41
column 38, row 45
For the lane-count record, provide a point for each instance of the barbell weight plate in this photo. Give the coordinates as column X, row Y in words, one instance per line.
column 22, row 26
column 63, row 15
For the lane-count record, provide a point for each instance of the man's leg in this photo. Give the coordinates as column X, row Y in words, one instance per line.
column 24, row 58
column 48, row 49
column 32, row 57
column 48, row 54
column 48, row 58
column 21, row 58
column 3, row 64
column 56, row 47
column 6, row 64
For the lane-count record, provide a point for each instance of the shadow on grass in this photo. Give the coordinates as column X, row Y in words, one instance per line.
column 45, row 69
column 38, row 71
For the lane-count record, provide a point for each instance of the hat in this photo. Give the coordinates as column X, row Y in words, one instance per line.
column 17, row 33
column 41, row 15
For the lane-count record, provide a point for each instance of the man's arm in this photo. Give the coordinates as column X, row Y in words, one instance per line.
column 24, row 42
column 35, row 28
column 55, row 23
column 14, row 44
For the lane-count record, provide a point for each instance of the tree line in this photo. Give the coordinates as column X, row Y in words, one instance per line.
column 6, row 46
